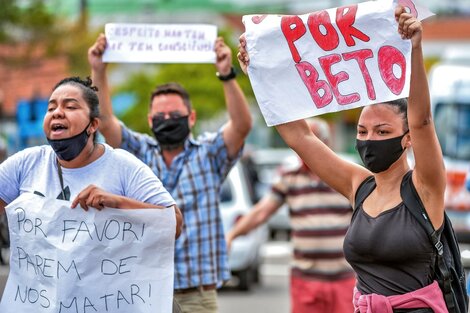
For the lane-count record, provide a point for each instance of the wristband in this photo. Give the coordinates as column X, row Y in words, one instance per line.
column 227, row 77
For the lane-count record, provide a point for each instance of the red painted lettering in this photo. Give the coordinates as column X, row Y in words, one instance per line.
column 409, row 7
column 334, row 79
column 388, row 56
column 330, row 39
column 293, row 28
column 258, row 18
column 360, row 56
column 309, row 76
column 345, row 18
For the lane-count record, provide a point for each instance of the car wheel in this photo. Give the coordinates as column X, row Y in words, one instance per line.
column 244, row 280
column 272, row 234
column 255, row 274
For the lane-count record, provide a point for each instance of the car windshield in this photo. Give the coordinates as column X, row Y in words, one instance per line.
column 453, row 129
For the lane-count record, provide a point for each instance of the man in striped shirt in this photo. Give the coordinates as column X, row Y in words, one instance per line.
column 321, row 279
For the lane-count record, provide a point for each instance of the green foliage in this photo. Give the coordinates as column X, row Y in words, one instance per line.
column 9, row 14
column 204, row 87
column 75, row 45
column 31, row 23
column 33, row 26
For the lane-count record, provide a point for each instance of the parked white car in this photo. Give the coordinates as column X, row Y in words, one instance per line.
column 236, row 201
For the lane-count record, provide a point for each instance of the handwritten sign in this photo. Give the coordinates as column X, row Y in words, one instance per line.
column 69, row 260
column 326, row 61
column 160, row 43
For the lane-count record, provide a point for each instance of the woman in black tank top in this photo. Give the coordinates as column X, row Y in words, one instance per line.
column 390, row 252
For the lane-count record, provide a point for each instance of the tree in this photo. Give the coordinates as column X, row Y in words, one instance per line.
column 27, row 25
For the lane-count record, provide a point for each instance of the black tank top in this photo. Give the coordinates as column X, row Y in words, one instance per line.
column 391, row 253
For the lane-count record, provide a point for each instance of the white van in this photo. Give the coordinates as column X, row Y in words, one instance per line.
column 449, row 84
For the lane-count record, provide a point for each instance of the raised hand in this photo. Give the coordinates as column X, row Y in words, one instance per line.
column 223, row 57
column 242, row 55
column 95, row 54
column 409, row 27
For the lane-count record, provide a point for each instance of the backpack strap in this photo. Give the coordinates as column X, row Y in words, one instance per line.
column 415, row 206
column 362, row 192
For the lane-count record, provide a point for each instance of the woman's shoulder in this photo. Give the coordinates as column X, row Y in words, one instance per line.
column 120, row 155
column 33, row 153
column 29, row 159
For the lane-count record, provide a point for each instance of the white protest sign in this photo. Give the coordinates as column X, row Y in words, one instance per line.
column 326, row 61
column 69, row 260
column 160, row 43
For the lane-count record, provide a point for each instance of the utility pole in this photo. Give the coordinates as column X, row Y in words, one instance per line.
column 83, row 19
column 83, row 7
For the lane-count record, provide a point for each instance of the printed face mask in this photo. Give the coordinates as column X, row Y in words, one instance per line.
column 170, row 133
column 69, row 148
column 379, row 155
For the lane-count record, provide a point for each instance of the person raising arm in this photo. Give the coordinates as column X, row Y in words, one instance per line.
column 387, row 247
column 236, row 128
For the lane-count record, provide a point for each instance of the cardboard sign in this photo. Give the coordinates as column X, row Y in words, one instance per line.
column 160, row 43
column 326, row 61
column 69, row 260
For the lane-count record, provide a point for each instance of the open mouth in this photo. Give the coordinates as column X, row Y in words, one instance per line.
column 57, row 128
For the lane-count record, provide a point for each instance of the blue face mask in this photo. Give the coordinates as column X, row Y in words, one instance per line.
column 69, row 148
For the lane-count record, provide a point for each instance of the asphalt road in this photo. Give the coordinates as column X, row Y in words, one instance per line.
column 272, row 294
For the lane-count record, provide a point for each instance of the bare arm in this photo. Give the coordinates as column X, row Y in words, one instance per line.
column 93, row 196
column 260, row 213
column 429, row 174
column 239, row 123
column 341, row 175
column 109, row 127
column 2, row 206
column 96, row 197
column 179, row 221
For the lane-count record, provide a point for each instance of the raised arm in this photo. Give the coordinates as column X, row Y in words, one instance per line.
column 109, row 127
column 239, row 124
column 258, row 215
column 2, row 206
column 429, row 174
column 339, row 174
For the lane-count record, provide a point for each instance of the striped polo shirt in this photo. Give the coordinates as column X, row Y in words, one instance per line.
column 319, row 218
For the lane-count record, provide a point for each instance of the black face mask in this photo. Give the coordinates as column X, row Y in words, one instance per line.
column 379, row 155
column 69, row 148
column 170, row 133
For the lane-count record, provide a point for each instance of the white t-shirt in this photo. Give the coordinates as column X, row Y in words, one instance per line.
column 117, row 171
